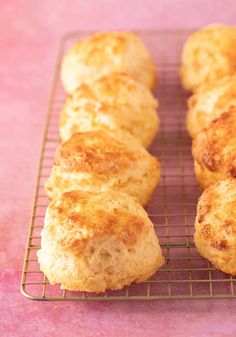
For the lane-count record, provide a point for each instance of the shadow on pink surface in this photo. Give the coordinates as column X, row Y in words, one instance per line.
column 20, row 316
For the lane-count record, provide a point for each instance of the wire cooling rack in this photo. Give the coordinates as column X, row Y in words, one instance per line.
column 172, row 208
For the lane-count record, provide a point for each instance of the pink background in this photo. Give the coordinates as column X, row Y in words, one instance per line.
column 30, row 32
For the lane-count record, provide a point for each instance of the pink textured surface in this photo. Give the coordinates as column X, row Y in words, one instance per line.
column 30, row 32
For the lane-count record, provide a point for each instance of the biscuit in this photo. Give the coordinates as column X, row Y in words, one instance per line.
column 112, row 102
column 209, row 102
column 105, row 53
column 208, row 55
column 97, row 161
column 94, row 242
column 214, row 150
column 215, row 226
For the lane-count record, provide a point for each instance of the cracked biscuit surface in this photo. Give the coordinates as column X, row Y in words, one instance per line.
column 215, row 226
column 98, row 161
column 209, row 54
column 104, row 53
column 214, row 150
column 98, row 241
column 210, row 102
column 112, row 102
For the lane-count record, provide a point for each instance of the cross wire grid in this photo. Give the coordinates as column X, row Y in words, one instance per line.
column 172, row 209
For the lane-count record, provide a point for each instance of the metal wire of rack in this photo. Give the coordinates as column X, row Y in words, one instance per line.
column 172, row 209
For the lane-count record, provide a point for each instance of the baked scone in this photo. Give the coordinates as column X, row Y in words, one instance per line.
column 214, row 150
column 93, row 242
column 209, row 102
column 209, row 54
column 103, row 53
column 112, row 102
column 215, row 226
column 97, row 161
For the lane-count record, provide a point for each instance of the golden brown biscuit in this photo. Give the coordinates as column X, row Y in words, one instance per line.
column 215, row 235
column 97, row 161
column 214, row 150
column 209, row 54
column 112, row 102
column 93, row 242
column 209, row 102
column 105, row 53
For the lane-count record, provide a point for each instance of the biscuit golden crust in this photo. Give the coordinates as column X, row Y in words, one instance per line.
column 112, row 102
column 215, row 235
column 104, row 53
column 214, row 150
column 93, row 242
column 209, row 54
column 98, row 161
column 94, row 152
column 209, row 102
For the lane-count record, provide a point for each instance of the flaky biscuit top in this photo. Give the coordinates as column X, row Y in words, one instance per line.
column 216, row 215
column 77, row 216
column 94, row 152
column 104, row 53
column 209, row 54
column 101, row 47
column 112, row 102
column 209, row 102
column 215, row 146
